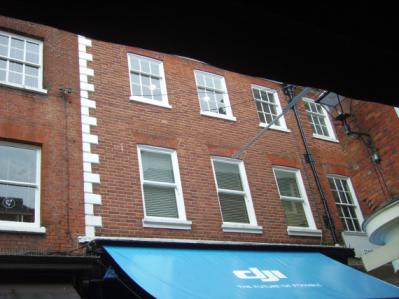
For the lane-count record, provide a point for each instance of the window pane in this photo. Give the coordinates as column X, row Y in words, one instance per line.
column 209, row 82
column 17, row 49
column 160, row 202
column 268, row 118
column 266, row 107
column 294, row 213
column 325, row 131
column 2, row 75
column 350, row 226
column 262, row 117
column 145, row 66
column 17, row 164
column 31, row 81
column 16, row 67
column 212, row 102
column 203, row 103
column 32, row 47
column 15, row 78
column 263, row 95
column 17, row 203
column 287, row 183
column 3, row 40
column 233, row 208
column 271, row 97
column 259, row 106
column 218, row 83
column 155, row 68
column 3, row 45
column 136, row 90
column 220, row 103
column 228, row 176
column 273, row 110
column 200, row 79
column 157, row 92
column 31, row 71
column 256, row 93
column 145, row 80
column 135, row 79
column 336, row 197
column 319, row 109
column 17, row 43
column 157, row 167
column 32, row 57
column 134, row 63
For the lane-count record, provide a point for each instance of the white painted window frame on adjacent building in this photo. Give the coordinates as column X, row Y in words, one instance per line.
column 147, row 95
column 19, row 226
column 240, row 227
column 320, row 113
column 266, row 107
column 344, row 202
column 24, row 68
column 207, row 95
column 311, row 230
column 179, row 222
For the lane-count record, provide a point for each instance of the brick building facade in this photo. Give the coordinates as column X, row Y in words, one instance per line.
column 123, row 111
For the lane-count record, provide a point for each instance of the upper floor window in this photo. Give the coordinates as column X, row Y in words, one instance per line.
column 21, row 62
column 293, row 197
column 147, row 80
column 212, row 94
column 19, row 187
column 268, row 107
column 319, row 120
column 161, row 187
column 234, row 195
column 346, row 201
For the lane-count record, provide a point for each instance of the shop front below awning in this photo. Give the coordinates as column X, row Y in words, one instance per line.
column 219, row 273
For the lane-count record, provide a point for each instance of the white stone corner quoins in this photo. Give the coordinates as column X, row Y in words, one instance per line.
column 89, row 178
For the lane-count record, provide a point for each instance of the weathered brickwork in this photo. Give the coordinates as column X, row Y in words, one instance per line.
column 45, row 120
column 375, row 183
column 124, row 124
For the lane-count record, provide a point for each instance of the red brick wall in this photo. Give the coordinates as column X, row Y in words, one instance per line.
column 382, row 123
column 35, row 118
column 123, row 124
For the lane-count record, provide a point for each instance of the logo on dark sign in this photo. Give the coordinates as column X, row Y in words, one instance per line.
column 8, row 202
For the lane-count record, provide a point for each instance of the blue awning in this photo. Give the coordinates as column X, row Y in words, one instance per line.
column 215, row 273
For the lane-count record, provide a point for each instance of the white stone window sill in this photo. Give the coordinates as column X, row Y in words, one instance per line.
column 22, row 229
column 23, row 87
column 170, row 223
column 277, row 128
column 242, row 228
column 216, row 115
column 303, row 231
column 359, row 234
column 163, row 104
column 325, row 138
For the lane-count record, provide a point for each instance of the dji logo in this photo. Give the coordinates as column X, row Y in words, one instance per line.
column 263, row 275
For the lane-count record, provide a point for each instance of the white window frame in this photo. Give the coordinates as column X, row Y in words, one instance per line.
column 283, row 124
column 397, row 111
column 252, row 226
column 311, row 230
column 164, row 103
column 164, row 222
column 331, row 132
column 226, row 100
column 15, row 226
column 356, row 205
column 38, row 89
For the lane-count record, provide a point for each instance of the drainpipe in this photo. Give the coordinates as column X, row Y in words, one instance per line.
column 288, row 91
